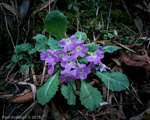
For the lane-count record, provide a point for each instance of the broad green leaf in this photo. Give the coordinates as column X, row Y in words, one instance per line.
column 32, row 51
column 90, row 97
column 81, row 36
column 92, row 48
column 41, row 43
column 110, row 48
column 48, row 90
column 115, row 81
column 69, row 92
column 56, row 24
column 23, row 68
column 54, row 44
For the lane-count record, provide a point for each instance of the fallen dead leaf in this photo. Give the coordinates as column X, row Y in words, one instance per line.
column 23, row 98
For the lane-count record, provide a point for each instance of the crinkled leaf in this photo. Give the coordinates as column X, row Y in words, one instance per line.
column 48, row 90
column 92, row 48
column 90, row 97
column 110, row 35
column 23, row 68
column 31, row 65
column 41, row 43
column 16, row 58
column 81, row 36
column 23, row 47
column 32, row 51
column 69, row 92
column 54, row 44
column 56, row 24
column 117, row 81
column 110, row 48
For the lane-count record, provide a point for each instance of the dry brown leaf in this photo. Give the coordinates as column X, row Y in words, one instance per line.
column 116, row 61
column 24, row 98
column 136, row 60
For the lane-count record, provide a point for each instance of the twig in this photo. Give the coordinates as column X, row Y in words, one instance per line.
column 10, row 72
column 126, row 8
column 82, row 114
column 44, row 70
column 109, row 16
column 108, row 92
column 129, row 29
column 9, row 33
column 125, row 47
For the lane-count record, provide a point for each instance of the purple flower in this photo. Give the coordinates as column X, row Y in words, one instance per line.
column 80, row 49
column 68, row 62
column 61, row 54
column 91, row 65
column 51, row 68
column 68, row 43
column 66, row 76
column 95, row 57
column 99, row 47
column 102, row 67
column 48, row 56
column 81, row 71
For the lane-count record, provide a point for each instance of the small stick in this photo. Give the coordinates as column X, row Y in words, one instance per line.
column 82, row 114
column 87, row 95
column 126, row 8
column 109, row 17
column 108, row 92
column 44, row 70
column 129, row 29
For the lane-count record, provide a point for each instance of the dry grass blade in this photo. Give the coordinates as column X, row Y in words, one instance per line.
column 43, row 6
column 125, row 47
column 10, row 8
column 33, row 87
column 139, row 24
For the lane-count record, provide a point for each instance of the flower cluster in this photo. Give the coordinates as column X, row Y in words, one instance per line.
column 68, row 59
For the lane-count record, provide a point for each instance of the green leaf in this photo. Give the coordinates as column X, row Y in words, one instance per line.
column 56, row 24
column 31, row 65
column 75, row 8
column 23, row 47
column 83, row 60
column 69, row 6
column 110, row 35
column 68, row 92
column 90, row 97
column 32, row 51
column 41, row 43
column 117, row 81
column 54, row 44
column 23, row 68
column 92, row 48
column 48, row 90
column 110, row 48
column 15, row 58
column 81, row 36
